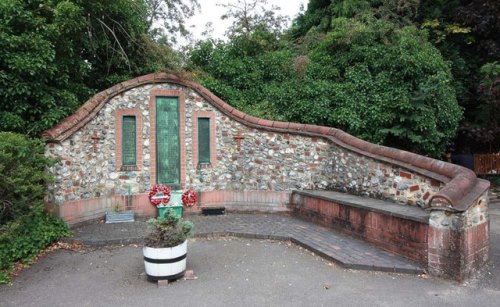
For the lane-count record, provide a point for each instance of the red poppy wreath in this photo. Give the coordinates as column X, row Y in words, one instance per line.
column 158, row 190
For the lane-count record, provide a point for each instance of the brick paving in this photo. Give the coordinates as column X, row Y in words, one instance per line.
column 346, row 251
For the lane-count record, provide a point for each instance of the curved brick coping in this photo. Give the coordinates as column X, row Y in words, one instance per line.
column 461, row 184
column 384, row 207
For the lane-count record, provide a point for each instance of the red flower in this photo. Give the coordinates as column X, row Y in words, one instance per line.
column 159, row 190
column 189, row 198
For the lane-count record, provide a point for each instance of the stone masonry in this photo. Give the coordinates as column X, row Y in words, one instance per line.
column 265, row 161
column 256, row 164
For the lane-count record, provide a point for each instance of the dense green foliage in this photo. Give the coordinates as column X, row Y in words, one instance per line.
column 55, row 54
column 24, row 228
column 23, row 180
column 389, row 85
column 23, row 238
column 464, row 31
column 381, row 82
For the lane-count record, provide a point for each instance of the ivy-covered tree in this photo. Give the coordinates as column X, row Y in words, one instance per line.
column 466, row 33
column 388, row 85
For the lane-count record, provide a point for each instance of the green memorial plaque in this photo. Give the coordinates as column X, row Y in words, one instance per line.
column 167, row 141
column 129, row 140
column 204, row 140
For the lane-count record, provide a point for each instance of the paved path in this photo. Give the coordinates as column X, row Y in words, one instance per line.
column 347, row 251
column 231, row 272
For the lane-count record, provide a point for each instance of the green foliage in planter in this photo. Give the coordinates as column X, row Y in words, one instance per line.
column 169, row 231
column 23, row 238
column 23, row 179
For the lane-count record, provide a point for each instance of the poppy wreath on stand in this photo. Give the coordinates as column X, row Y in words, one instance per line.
column 189, row 198
column 159, row 190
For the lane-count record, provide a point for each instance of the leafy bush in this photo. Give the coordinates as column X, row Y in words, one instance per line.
column 381, row 82
column 392, row 86
column 24, row 228
column 169, row 231
column 23, row 238
column 23, row 180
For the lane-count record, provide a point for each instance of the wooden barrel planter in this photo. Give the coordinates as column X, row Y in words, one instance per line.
column 165, row 263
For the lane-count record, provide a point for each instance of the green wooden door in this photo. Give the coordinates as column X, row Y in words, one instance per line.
column 168, row 141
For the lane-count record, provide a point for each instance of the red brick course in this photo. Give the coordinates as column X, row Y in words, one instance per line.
column 74, row 212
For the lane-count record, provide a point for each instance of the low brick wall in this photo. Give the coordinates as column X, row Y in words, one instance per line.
column 247, row 201
column 399, row 235
column 78, row 211
column 450, row 245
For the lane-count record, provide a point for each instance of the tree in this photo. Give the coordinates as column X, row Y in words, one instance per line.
column 388, row 85
column 384, row 83
column 250, row 15
column 55, row 54
column 40, row 71
column 171, row 15
column 466, row 33
column 320, row 13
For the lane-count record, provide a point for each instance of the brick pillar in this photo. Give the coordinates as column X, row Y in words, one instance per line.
column 459, row 242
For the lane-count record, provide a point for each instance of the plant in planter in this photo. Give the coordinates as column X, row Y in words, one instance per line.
column 165, row 247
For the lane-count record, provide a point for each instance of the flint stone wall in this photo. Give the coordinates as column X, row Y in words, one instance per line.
column 266, row 161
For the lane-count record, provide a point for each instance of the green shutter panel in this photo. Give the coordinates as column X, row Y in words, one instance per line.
column 167, row 141
column 204, row 140
column 129, row 140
